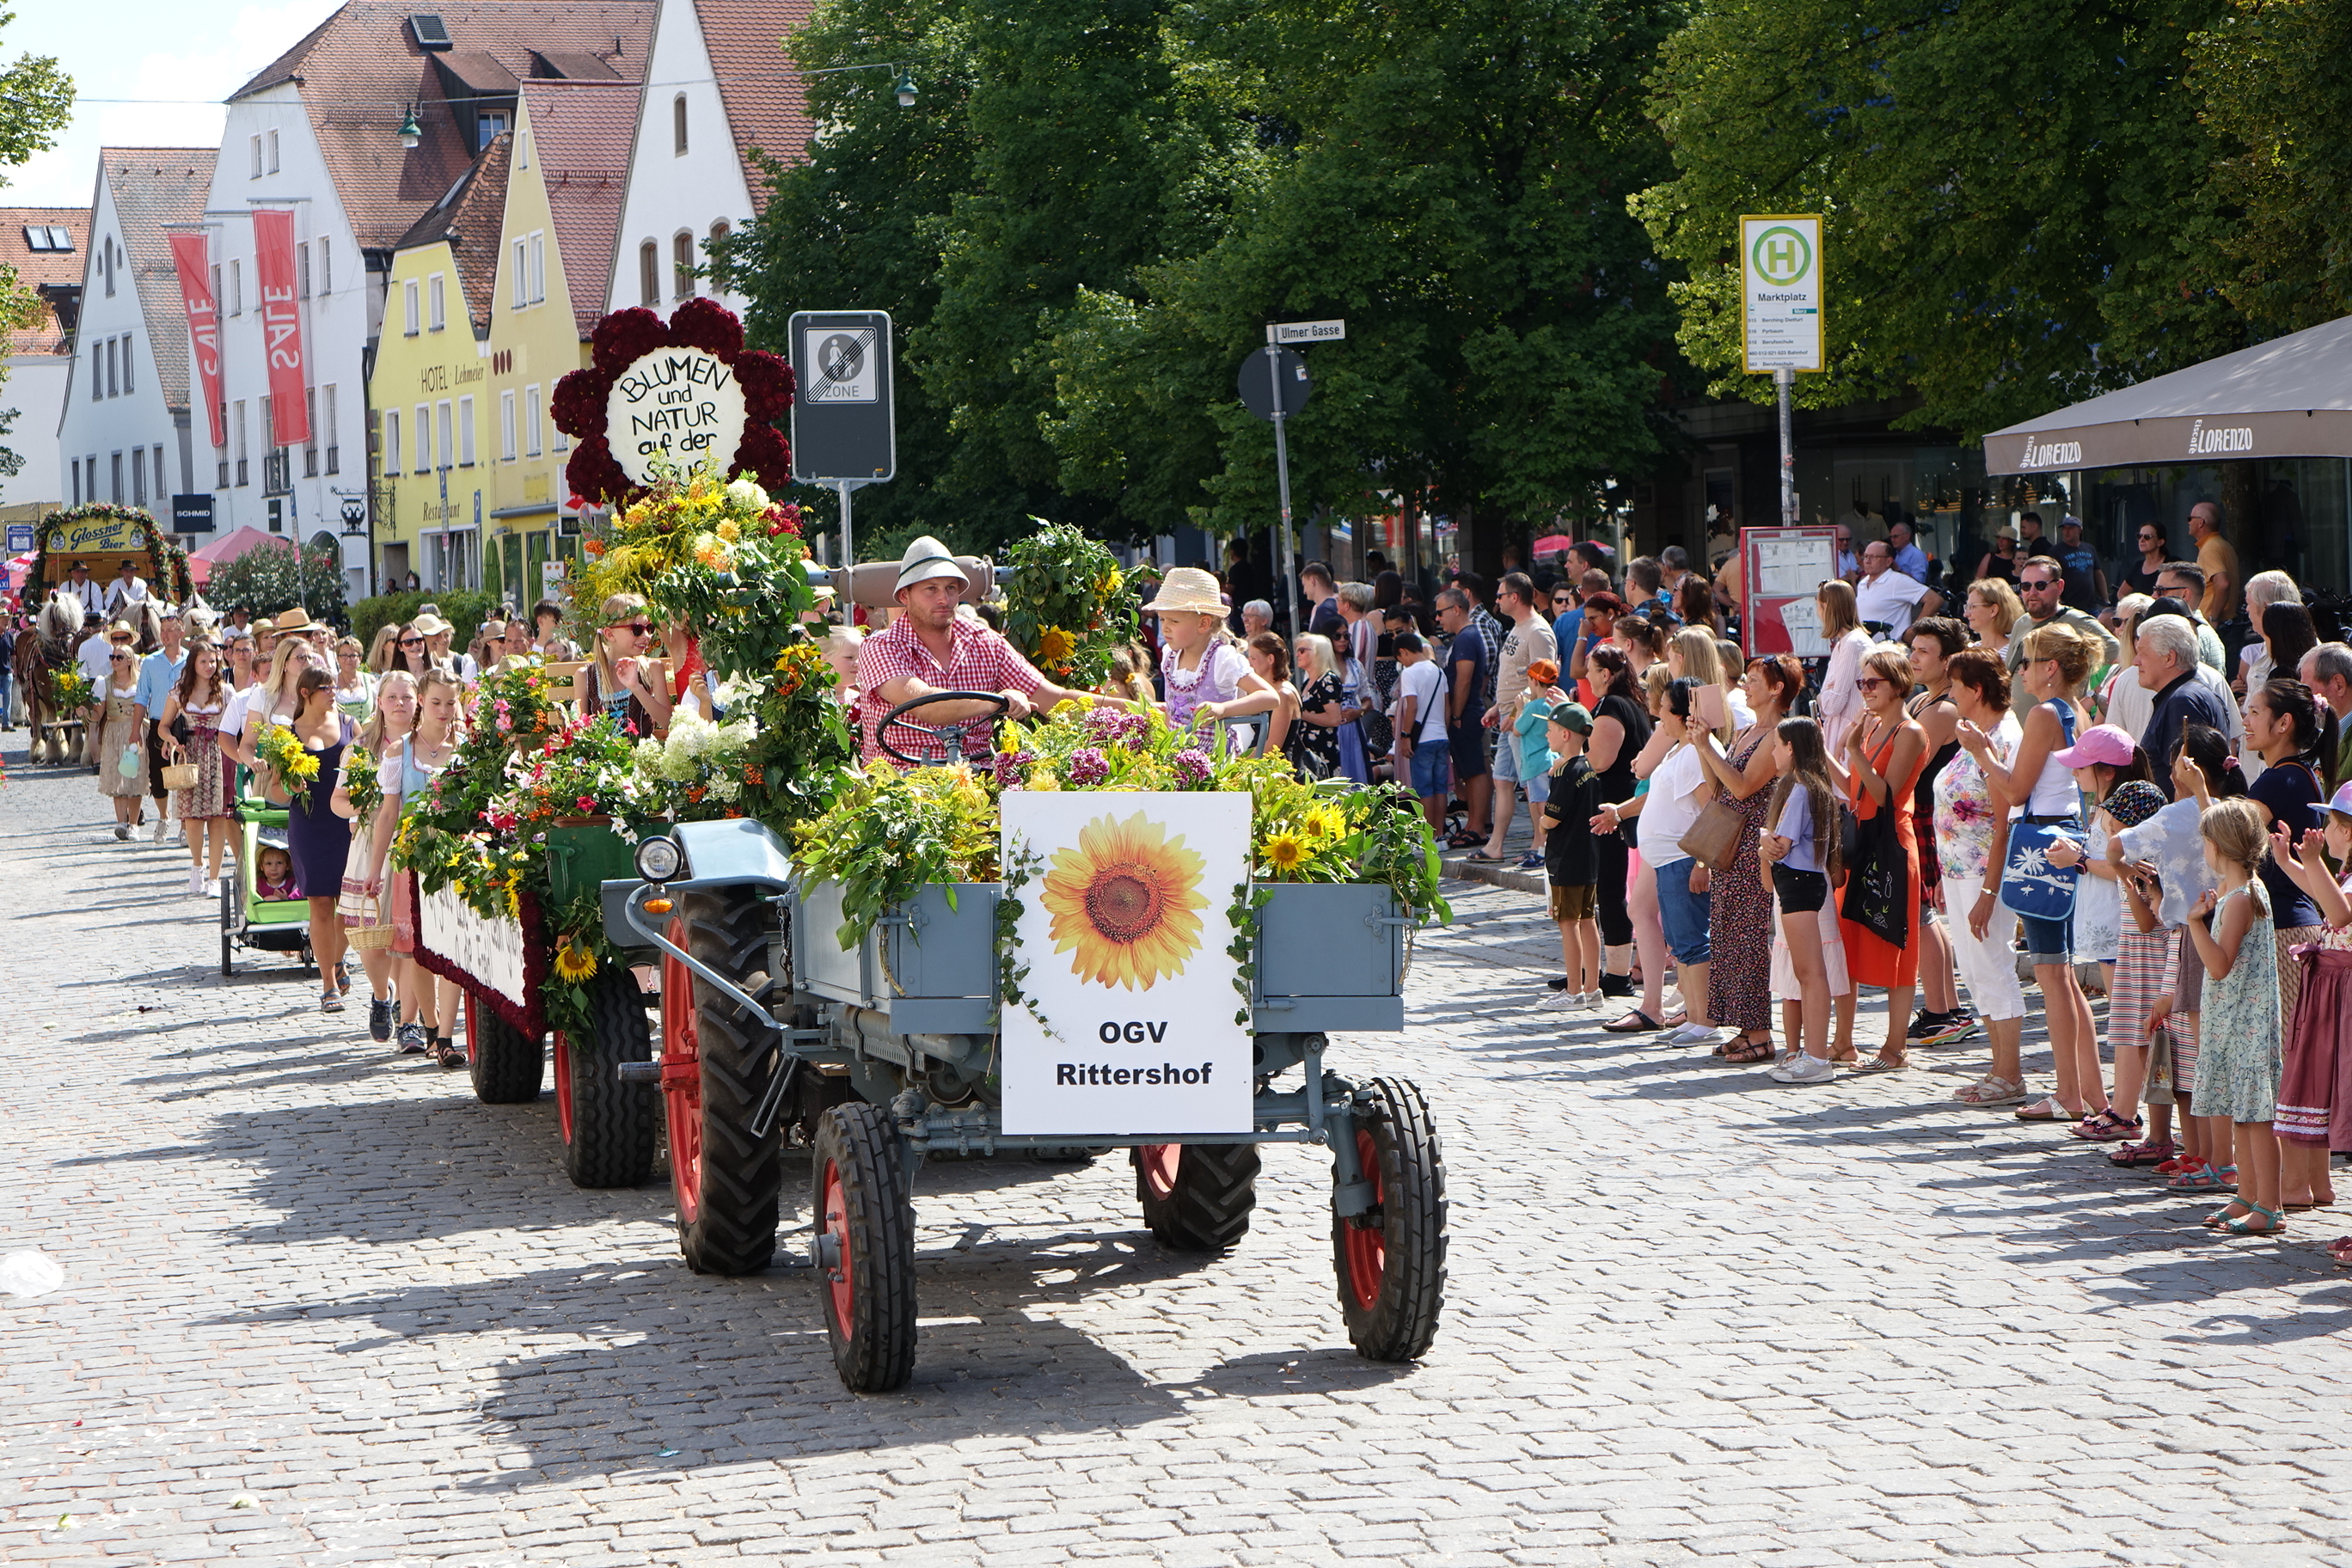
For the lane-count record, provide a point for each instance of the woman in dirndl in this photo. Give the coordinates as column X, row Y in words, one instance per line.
column 116, row 742
column 429, row 1006
column 190, row 728
column 1739, row 911
column 362, row 905
column 2315, row 1097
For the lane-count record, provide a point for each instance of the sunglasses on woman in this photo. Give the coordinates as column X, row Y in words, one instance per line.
column 412, row 642
column 1870, row 683
column 640, row 628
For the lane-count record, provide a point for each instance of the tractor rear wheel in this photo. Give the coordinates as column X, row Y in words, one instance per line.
column 864, row 1248
column 608, row 1126
column 717, row 1057
column 1390, row 1259
column 1197, row 1197
column 505, row 1064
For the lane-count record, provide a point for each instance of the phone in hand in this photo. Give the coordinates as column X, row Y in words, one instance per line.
column 1709, row 704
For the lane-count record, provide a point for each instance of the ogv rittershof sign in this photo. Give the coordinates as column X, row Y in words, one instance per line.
column 1781, row 291
column 679, row 405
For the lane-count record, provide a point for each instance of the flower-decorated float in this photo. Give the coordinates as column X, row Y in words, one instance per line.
column 1098, row 933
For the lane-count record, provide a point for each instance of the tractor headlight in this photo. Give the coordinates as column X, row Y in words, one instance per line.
column 659, row 860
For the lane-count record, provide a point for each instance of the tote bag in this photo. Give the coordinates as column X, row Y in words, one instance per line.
column 1714, row 839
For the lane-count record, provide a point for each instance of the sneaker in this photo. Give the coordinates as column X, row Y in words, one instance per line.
column 412, row 1039
column 1954, row 1028
column 1616, row 984
column 122, row 830
column 195, row 883
column 1693, row 1035
column 1589, row 999
column 380, row 1015
column 162, row 828
column 1925, row 1023
column 1805, row 1070
column 1565, row 1002
column 1532, row 863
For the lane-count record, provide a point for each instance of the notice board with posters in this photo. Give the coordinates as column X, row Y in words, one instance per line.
column 1130, row 1020
column 1780, row 571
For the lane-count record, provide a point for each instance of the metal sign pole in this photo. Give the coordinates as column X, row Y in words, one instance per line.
column 848, row 554
column 1282, row 477
column 1785, row 379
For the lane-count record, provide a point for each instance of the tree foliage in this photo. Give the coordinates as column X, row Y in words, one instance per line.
column 36, row 102
column 2008, row 192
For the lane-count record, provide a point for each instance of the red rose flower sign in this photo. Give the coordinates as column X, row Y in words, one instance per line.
column 675, row 392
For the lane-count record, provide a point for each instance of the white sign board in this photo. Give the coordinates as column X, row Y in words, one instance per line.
column 1780, row 292
column 1134, row 1023
column 843, row 363
column 489, row 951
column 681, row 405
column 1309, row 331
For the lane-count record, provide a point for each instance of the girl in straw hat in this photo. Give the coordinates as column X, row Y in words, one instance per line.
column 1207, row 675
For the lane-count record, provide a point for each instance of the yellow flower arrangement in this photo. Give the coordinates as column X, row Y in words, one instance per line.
column 1283, row 853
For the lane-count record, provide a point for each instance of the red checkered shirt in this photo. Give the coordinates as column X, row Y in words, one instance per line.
column 978, row 660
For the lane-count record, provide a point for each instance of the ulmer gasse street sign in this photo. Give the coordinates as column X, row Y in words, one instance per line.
column 1285, row 386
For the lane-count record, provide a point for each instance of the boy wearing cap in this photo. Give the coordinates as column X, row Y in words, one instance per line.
column 1571, row 864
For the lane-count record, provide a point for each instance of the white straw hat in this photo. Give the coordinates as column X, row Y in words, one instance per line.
column 1187, row 590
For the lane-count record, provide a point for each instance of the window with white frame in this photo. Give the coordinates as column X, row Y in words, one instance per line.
column 530, row 421
column 681, row 248
column 649, row 273
column 466, row 431
column 255, row 142
column 677, row 126
column 326, row 270
column 310, row 441
column 507, row 426
column 236, row 288
column 424, row 438
column 521, row 294
column 537, row 266
column 391, row 448
column 127, row 345
column 273, row 151
column 448, row 449
column 301, row 271
column 113, row 372
column 97, row 369
column 334, row 452
column 409, row 325
column 438, row 287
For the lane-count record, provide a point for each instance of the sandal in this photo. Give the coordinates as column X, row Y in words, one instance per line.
column 1633, row 1022
column 448, row 1053
column 2104, row 1127
column 2046, row 1109
column 2151, row 1152
column 1748, row 1053
column 2199, row 1178
column 2243, row 1226
column 1990, row 1090
column 1881, row 1064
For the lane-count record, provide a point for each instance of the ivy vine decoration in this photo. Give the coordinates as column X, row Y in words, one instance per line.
column 1241, row 916
column 1023, row 865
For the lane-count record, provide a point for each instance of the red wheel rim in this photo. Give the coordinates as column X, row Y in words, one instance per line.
column 681, row 1079
column 1159, row 1163
column 472, row 1005
column 563, row 1086
column 842, row 1282
column 1367, row 1244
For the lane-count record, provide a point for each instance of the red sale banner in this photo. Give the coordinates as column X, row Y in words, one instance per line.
column 281, row 324
column 189, row 255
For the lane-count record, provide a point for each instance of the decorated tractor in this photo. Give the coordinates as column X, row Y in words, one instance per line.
column 1101, row 933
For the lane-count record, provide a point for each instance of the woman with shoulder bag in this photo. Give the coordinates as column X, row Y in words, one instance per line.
column 191, row 727
column 1671, row 889
column 2038, row 792
column 1739, row 911
column 1886, row 751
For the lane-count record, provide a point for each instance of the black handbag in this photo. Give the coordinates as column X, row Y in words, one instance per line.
column 1878, row 894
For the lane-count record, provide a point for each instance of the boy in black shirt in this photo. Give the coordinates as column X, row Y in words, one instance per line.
column 1571, row 863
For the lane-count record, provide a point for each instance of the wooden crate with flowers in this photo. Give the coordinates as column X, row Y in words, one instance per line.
column 1006, row 955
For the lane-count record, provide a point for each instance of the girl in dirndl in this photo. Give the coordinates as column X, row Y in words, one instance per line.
column 361, row 904
column 2315, row 1099
column 429, row 1008
column 191, row 727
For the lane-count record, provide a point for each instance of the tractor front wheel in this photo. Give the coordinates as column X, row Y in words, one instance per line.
column 1197, row 1197
column 716, row 1056
column 608, row 1126
column 864, row 1248
column 1391, row 1258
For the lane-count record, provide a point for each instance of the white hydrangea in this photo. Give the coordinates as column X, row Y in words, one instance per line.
column 743, row 493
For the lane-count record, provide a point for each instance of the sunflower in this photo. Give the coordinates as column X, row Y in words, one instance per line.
column 1286, row 852
column 1325, row 822
column 1125, row 900
column 573, row 960
column 1055, row 644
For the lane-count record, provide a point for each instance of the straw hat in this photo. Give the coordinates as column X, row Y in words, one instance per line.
column 1187, row 590
column 927, row 558
column 294, row 620
column 427, row 626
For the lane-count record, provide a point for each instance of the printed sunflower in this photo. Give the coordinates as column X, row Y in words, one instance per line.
column 1125, row 900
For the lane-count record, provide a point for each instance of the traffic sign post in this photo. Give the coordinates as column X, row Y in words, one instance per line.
column 845, row 413
column 1276, row 386
column 1780, row 318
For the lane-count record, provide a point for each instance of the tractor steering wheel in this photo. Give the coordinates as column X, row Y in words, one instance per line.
column 951, row 734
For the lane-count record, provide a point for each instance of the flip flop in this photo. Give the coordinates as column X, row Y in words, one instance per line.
column 1633, row 1022
column 2046, row 1109
column 1880, row 1064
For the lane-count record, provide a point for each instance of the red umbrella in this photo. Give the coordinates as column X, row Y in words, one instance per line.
column 229, row 546
column 1551, row 545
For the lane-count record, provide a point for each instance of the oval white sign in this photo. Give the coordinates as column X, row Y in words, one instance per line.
column 681, row 406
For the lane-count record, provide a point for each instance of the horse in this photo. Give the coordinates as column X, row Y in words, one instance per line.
column 50, row 643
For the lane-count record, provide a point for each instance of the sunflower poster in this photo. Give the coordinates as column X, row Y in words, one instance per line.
column 1128, row 1021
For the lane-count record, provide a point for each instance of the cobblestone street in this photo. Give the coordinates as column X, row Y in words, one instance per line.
column 323, row 1308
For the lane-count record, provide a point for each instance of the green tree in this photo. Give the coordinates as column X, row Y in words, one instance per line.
column 36, row 102
column 1452, row 181
column 2013, row 195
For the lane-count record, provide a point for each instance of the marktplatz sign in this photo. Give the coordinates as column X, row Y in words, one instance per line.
column 1780, row 292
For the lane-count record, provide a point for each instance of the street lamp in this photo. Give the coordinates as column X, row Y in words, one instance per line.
column 903, row 89
column 409, row 133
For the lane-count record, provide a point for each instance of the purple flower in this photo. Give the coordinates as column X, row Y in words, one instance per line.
column 1088, row 766
column 1013, row 767
column 1190, row 766
column 1116, row 726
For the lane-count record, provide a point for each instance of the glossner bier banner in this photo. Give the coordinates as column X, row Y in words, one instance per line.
column 281, row 326
column 192, row 258
column 1124, row 928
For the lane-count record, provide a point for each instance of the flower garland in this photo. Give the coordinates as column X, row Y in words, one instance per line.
column 170, row 576
column 626, row 336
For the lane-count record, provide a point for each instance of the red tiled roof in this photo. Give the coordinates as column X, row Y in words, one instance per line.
column 153, row 188
column 42, row 334
column 361, row 68
column 767, row 103
column 471, row 218
column 582, row 135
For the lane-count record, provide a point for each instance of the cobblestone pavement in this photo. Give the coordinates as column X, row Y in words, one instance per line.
column 322, row 1308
